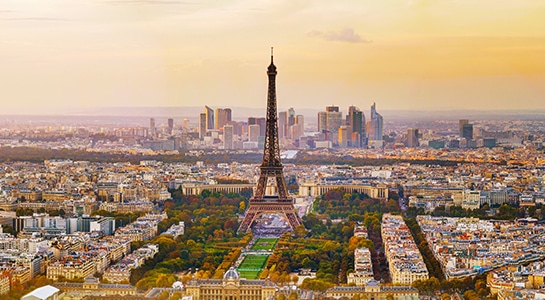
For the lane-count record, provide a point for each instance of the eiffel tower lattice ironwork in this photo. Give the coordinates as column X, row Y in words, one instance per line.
column 271, row 168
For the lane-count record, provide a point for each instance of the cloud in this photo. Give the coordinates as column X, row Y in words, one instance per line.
column 344, row 35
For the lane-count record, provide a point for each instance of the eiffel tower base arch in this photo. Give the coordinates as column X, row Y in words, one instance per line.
column 258, row 208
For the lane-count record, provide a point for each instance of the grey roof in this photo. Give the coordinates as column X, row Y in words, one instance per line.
column 231, row 274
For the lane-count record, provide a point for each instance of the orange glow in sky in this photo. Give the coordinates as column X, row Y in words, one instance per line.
column 410, row 54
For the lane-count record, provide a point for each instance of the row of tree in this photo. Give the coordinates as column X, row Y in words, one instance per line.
column 37, row 155
column 210, row 219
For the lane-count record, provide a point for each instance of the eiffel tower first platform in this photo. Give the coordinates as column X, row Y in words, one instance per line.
column 271, row 168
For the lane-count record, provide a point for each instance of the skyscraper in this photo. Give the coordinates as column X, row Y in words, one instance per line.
column 322, row 121
column 223, row 116
column 375, row 125
column 202, row 125
column 412, row 138
column 334, row 121
column 290, row 121
column 356, row 120
column 209, row 117
column 344, row 135
column 300, row 119
column 329, row 122
column 262, row 122
column 152, row 130
column 467, row 131
column 297, row 130
column 170, row 125
column 228, row 137
column 461, row 126
column 253, row 132
column 282, row 124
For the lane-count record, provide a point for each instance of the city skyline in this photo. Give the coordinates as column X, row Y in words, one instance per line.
column 409, row 55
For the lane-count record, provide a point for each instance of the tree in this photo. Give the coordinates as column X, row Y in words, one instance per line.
column 205, row 194
column 471, row 295
column 163, row 296
column 300, row 231
column 293, row 296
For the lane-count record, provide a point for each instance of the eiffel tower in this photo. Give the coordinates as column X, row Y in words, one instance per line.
column 271, row 168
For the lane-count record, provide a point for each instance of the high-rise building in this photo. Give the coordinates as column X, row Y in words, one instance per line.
column 228, row 137
column 461, row 126
column 170, row 125
column 329, row 122
column 290, row 122
column 297, row 130
column 467, row 131
column 282, row 124
column 262, row 122
column 237, row 127
column 332, row 108
column 209, row 117
column 375, row 125
column 322, row 121
column 344, row 135
column 300, row 119
column 202, row 125
column 223, row 116
column 253, row 132
column 186, row 123
column 286, row 119
column 412, row 138
column 152, row 130
column 334, row 121
column 356, row 120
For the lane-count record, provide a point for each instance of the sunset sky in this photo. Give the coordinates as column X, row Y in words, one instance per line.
column 409, row 54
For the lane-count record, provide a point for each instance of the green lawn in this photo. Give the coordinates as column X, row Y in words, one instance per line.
column 252, row 265
column 265, row 244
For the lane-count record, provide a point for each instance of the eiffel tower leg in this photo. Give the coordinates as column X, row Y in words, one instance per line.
column 249, row 218
column 293, row 218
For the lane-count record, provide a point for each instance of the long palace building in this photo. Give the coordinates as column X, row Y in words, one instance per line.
column 231, row 287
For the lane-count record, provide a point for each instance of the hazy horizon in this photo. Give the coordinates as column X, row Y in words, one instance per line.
column 403, row 54
column 142, row 114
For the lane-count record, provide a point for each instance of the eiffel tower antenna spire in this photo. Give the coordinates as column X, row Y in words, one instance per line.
column 271, row 167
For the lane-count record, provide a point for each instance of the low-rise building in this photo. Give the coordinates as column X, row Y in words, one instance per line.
column 404, row 259
column 372, row 290
column 230, row 287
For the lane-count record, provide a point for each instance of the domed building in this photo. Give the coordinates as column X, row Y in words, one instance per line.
column 231, row 275
column 231, row 287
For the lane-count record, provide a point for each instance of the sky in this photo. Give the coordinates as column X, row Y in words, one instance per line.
column 402, row 54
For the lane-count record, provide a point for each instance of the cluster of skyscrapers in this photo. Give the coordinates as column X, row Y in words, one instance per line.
column 218, row 124
column 351, row 130
column 334, row 129
column 216, row 129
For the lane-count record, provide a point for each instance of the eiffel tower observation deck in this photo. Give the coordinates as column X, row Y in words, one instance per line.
column 271, row 170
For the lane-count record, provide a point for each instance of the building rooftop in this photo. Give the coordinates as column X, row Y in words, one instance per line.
column 43, row 292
